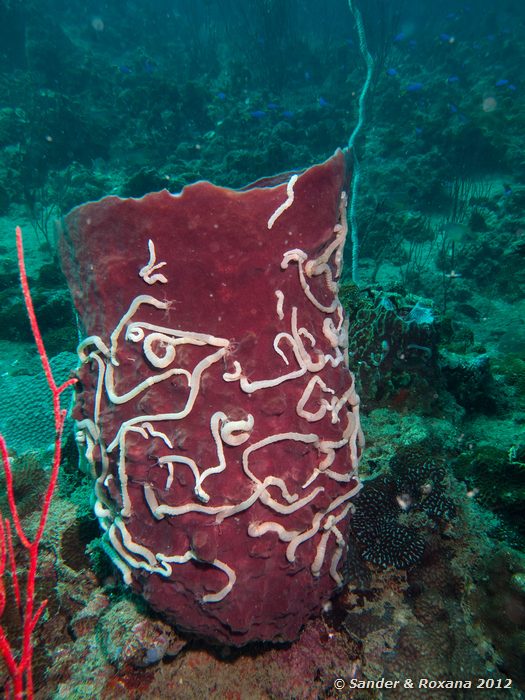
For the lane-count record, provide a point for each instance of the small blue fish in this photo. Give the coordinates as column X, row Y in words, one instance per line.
column 391, row 71
column 453, row 79
column 502, row 82
column 221, row 95
column 272, row 105
column 323, row 102
column 414, row 87
column 512, row 87
column 399, row 37
column 258, row 114
column 287, row 114
column 125, row 70
column 453, row 108
column 445, row 37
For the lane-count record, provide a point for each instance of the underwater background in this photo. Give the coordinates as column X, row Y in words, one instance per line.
column 126, row 98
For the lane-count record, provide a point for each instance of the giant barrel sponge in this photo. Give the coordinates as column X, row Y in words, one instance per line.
column 214, row 405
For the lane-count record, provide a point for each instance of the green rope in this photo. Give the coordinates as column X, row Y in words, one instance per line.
column 369, row 61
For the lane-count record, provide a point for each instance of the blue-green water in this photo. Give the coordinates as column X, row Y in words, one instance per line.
column 127, row 98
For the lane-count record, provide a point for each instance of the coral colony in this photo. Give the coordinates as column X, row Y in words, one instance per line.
column 19, row 666
column 215, row 406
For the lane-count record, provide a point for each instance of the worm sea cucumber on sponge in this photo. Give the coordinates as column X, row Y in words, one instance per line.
column 215, row 404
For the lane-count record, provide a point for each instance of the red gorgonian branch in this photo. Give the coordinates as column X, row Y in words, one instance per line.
column 19, row 662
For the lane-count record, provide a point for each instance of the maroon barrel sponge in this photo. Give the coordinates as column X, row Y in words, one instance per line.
column 215, row 406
